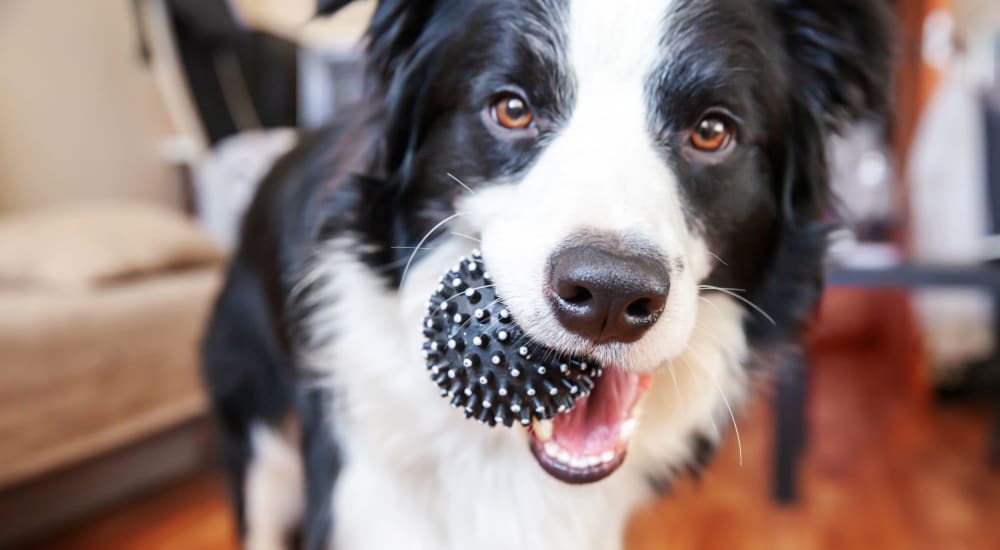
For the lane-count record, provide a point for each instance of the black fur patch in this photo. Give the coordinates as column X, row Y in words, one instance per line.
column 322, row 458
column 703, row 450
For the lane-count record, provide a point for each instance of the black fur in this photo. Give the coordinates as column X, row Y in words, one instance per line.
column 792, row 70
column 322, row 467
column 247, row 362
column 831, row 67
column 704, row 449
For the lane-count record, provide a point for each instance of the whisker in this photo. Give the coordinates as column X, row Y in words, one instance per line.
column 524, row 339
column 464, row 236
column 550, row 354
column 468, row 321
column 494, row 323
column 459, row 295
column 490, row 326
column 717, row 257
column 733, row 294
column 423, row 240
column 725, row 400
column 711, row 303
column 388, row 266
column 460, row 182
column 677, row 387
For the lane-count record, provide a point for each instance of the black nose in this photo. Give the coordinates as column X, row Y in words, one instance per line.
column 607, row 295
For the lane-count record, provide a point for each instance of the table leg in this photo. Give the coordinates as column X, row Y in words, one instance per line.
column 790, row 427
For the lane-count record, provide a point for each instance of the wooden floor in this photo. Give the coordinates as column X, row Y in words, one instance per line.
column 883, row 471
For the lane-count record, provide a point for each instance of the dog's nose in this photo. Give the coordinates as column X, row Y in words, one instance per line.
column 607, row 295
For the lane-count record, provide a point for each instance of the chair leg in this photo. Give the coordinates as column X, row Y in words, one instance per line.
column 993, row 380
column 790, row 427
column 994, row 448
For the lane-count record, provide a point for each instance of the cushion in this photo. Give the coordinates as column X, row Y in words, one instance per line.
column 93, row 244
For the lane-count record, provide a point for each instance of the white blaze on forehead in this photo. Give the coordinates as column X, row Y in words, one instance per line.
column 604, row 155
column 615, row 40
column 602, row 169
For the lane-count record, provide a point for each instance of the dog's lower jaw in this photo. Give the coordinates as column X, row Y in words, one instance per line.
column 417, row 474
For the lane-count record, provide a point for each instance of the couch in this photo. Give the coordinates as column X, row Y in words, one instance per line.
column 101, row 310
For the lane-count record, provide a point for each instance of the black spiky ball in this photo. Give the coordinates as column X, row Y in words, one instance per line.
column 485, row 364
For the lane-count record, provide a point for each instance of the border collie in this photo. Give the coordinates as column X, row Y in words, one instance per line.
column 647, row 184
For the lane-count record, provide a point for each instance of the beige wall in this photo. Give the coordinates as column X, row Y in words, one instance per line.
column 281, row 14
column 79, row 116
column 294, row 19
column 978, row 15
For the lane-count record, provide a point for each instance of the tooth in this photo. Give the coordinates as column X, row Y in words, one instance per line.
column 563, row 457
column 628, row 428
column 607, row 456
column 543, row 429
column 593, row 461
column 551, row 449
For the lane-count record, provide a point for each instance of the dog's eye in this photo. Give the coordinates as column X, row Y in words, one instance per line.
column 512, row 112
column 712, row 134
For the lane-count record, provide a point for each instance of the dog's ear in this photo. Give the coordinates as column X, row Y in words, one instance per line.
column 839, row 57
column 394, row 27
column 399, row 56
column 841, row 54
column 394, row 36
column 401, row 60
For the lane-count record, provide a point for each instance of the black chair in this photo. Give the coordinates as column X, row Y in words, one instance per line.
column 238, row 78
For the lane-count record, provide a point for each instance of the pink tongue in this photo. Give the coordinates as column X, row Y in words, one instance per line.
column 594, row 425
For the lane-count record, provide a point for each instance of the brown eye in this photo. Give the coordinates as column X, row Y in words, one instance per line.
column 512, row 112
column 712, row 134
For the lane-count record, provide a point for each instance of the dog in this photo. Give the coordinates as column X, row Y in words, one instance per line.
column 647, row 184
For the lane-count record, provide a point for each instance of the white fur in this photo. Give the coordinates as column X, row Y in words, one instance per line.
column 274, row 490
column 601, row 172
column 419, row 476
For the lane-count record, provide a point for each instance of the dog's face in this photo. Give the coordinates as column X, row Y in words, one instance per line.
column 617, row 160
column 612, row 152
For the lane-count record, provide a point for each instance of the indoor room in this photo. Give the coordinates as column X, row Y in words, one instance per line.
column 441, row 274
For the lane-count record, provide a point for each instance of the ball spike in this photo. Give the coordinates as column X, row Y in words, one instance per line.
column 484, row 363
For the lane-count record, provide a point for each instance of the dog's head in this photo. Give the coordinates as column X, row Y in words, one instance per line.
column 619, row 159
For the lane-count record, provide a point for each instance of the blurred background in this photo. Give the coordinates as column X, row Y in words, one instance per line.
column 132, row 133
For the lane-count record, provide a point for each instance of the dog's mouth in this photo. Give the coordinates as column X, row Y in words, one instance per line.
column 589, row 442
column 579, row 413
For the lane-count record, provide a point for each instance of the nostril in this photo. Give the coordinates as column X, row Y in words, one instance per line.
column 644, row 311
column 640, row 308
column 577, row 295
